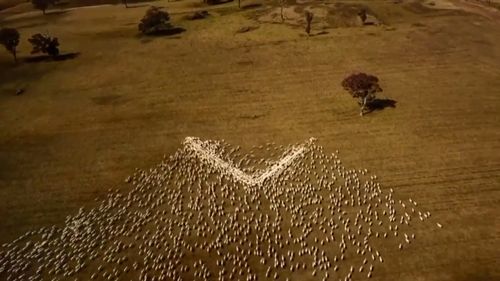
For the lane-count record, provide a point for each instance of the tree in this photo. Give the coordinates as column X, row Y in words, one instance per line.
column 9, row 38
column 43, row 43
column 125, row 3
column 362, row 86
column 309, row 18
column 155, row 21
column 43, row 4
column 282, row 4
column 362, row 15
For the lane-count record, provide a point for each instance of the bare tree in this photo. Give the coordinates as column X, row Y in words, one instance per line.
column 363, row 87
column 43, row 43
column 43, row 4
column 309, row 18
column 282, row 4
column 362, row 15
column 9, row 38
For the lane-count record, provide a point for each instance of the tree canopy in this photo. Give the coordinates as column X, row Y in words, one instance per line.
column 155, row 21
column 362, row 86
column 44, row 44
column 9, row 38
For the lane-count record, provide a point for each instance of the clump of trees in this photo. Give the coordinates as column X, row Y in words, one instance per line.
column 309, row 18
column 155, row 21
column 9, row 38
column 43, row 43
column 43, row 4
column 362, row 86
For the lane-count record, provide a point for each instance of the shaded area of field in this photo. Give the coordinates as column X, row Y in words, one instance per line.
column 83, row 125
column 13, row 7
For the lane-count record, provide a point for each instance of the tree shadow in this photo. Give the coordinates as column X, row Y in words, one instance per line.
column 46, row 58
column 380, row 104
column 137, row 6
column 53, row 13
column 67, row 56
column 251, row 6
column 319, row 33
column 217, row 2
column 30, row 25
column 198, row 15
column 245, row 29
column 165, row 32
column 150, row 39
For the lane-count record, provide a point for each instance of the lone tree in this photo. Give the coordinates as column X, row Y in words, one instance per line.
column 282, row 4
column 9, row 38
column 309, row 18
column 155, row 21
column 362, row 16
column 43, row 43
column 362, row 86
column 43, row 4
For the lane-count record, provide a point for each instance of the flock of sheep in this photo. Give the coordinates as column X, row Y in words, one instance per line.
column 195, row 217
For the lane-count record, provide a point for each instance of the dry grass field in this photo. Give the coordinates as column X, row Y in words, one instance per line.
column 83, row 125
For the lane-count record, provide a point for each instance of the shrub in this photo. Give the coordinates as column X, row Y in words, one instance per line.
column 43, row 43
column 363, row 87
column 9, row 38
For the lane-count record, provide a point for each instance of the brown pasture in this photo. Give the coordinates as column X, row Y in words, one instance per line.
column 82, row 125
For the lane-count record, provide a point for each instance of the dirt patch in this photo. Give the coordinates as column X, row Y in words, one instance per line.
column 434, row 4
column 346, row 15
column 489, row 11
column 325, row 16
column 420, row 8
column 245, row 29
column 290, row 13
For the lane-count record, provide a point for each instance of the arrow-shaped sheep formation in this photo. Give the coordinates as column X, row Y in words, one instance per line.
column 210, row 213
